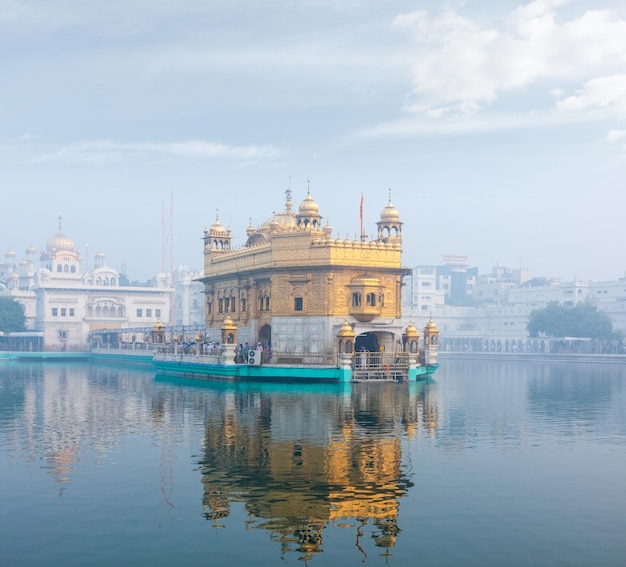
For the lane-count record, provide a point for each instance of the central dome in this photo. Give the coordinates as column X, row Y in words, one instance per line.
column 59, row 242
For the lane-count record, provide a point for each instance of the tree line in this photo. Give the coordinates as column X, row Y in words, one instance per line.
column 581, row 321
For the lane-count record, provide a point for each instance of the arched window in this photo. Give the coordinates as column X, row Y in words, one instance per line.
column 59, row 268
column 73, row 269
column 66, row 268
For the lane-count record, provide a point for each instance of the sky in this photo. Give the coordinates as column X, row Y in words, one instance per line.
column 498, row 127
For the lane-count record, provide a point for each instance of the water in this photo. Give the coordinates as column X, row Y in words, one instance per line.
column 493, row 464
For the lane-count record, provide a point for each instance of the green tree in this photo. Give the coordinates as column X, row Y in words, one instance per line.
column 582, row 320
column 12, row 319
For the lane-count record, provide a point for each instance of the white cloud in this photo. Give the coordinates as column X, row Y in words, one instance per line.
column 616, row 135
column 603, row 93
column 98, row 152
column 439, row 123
column 462, row 61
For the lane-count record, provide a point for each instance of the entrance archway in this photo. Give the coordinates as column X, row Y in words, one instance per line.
column 265, row 337
column 367, row 341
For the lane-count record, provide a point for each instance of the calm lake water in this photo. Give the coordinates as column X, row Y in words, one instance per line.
column 494, row 463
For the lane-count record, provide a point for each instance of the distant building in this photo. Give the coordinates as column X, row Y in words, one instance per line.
column 430, row 287
column 66, row 304
column 502, row 302
column 188, row 297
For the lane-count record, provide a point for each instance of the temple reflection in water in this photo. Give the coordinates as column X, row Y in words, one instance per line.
column 297, row 466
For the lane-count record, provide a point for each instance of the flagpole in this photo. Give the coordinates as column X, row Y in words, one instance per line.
column 361, row 215
column 163, row 238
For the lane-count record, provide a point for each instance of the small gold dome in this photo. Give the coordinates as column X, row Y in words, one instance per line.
column 217, row 226
column 308, row 206
column 431, row 328
column 10, row 254
column 390, row 213
column 346, row 330
column 250, row 230
column 411, row 330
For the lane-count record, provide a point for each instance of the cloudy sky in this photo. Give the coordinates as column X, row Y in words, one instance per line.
column 500, row 127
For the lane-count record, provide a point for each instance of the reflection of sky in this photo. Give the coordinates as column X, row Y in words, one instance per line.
column 494, row 463
column 509, row 403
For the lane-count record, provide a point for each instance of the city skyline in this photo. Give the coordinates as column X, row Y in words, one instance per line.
column 500, row 131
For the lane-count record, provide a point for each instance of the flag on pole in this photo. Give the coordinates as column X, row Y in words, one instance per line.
column 361, row 215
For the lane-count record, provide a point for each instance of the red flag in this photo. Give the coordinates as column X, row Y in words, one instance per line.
column 361, row 214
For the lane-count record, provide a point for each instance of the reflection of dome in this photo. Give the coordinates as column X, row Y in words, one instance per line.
column 308, row 206
column 390, row 213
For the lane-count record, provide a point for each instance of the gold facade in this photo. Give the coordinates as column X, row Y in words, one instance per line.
column 292, row 267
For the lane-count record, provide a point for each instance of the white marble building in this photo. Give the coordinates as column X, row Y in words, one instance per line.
column 66, row 303
column 188, row 297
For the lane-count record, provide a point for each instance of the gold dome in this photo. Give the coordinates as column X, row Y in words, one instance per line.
column 217, row 226
column 346, row 330
column 280, row 222
column 431, row 328
column 390, row 213
column 59, row 241
column 411, row 330
column 308, row 206
column 250, row 230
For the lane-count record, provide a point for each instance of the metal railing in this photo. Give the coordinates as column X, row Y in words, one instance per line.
column 380, row 366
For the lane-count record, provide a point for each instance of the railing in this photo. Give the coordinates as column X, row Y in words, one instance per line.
column 380, row 366
column 170, row 356
column 299, row 359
